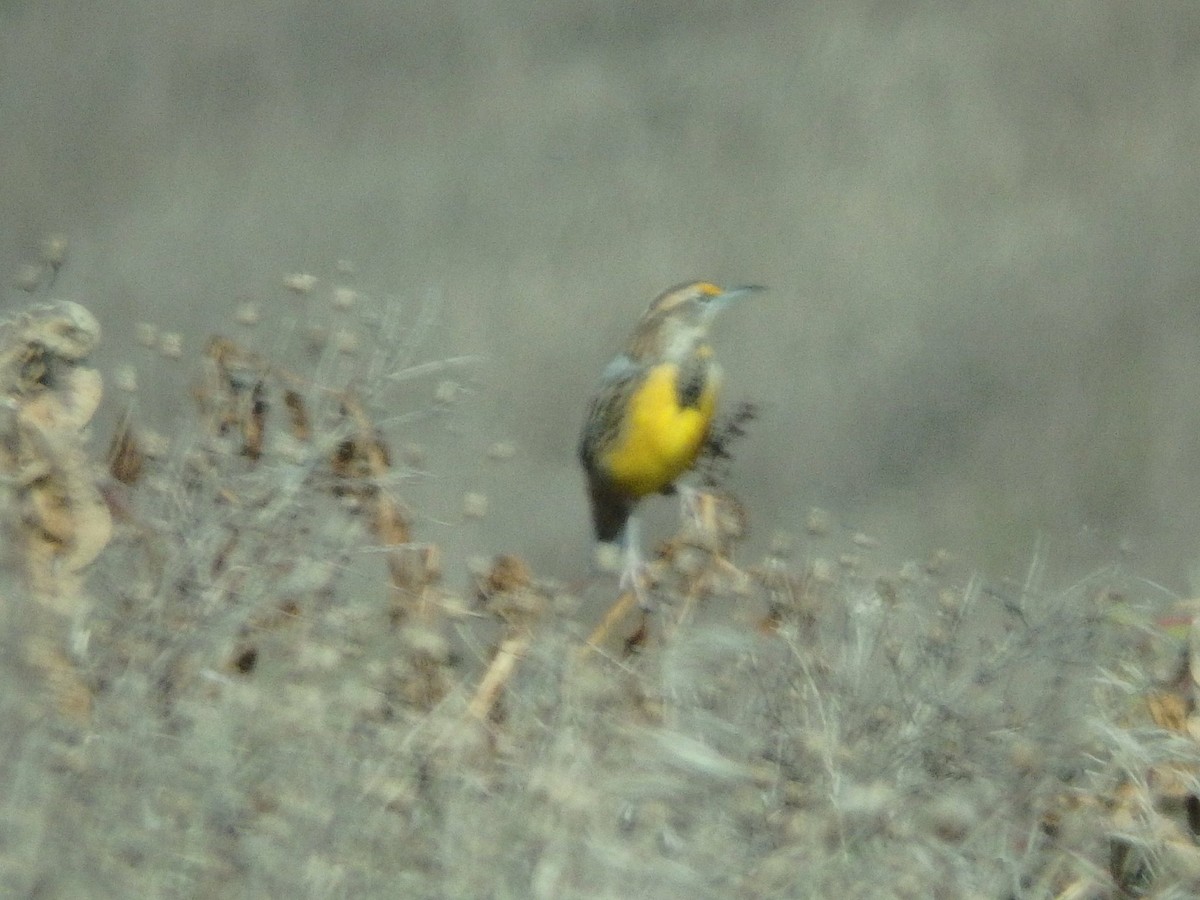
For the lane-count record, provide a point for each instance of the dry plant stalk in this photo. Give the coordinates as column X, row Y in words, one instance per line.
column 1152, row 812
column 232, row 396
column 235, row 398
column 362, row 462
column 234, row 401
column 57, row 521
column 616, row 613
column 698, row 558
column 507, row 592
column 502, row 667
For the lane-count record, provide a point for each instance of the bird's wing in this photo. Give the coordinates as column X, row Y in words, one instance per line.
column 604, row 420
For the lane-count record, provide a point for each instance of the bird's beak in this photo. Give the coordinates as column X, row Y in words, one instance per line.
column 725, row 298
column 734, row 293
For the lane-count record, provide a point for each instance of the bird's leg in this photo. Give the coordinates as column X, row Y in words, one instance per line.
column 692, row 509
column 633, row 570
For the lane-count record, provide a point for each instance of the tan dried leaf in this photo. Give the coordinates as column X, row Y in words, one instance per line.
column 1169, row 711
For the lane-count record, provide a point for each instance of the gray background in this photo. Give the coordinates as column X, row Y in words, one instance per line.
column 977, row 220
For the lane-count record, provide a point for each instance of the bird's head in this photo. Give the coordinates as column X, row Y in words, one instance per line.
column 678, row 319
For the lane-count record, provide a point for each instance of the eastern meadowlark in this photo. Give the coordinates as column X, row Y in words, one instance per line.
column 649, row 420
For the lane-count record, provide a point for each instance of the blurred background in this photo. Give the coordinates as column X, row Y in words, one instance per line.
column 977, row 222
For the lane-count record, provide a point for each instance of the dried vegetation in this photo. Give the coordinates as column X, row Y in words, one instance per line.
column 234, row 669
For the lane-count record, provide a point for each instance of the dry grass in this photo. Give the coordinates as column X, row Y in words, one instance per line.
column 261, row 687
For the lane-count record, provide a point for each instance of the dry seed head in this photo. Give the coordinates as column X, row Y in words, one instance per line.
column 867, row 807
column 344, row 297
column 247, row 314
column 317, row 657
column 823, row 572
column 737, row 582
column 1026, row 756
column 818, row 522
column 70, row 406
column 54, row 250
column 155, row 445
column 125, row 378
column 170, row 345
column 478, row 568
column 865, row 541
column 518, row 606
column 475, row 505
column 63, row 329
column 508, row 573
column 300, row 283
column 426, row 643
column 565, row 605
column 346, row 341
column 949, row 601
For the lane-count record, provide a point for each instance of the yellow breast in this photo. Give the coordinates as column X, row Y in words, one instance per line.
column 659, row 439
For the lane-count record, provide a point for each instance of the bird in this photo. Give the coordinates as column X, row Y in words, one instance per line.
column 651, row 416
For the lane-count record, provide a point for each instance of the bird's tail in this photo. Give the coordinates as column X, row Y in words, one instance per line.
column 610, row 512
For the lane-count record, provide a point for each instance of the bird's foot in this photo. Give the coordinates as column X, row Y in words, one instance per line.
column 634, row 571
column 695, row 510
column 635, row 579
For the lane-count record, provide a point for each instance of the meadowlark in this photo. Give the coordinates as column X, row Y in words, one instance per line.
column 649, row 420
